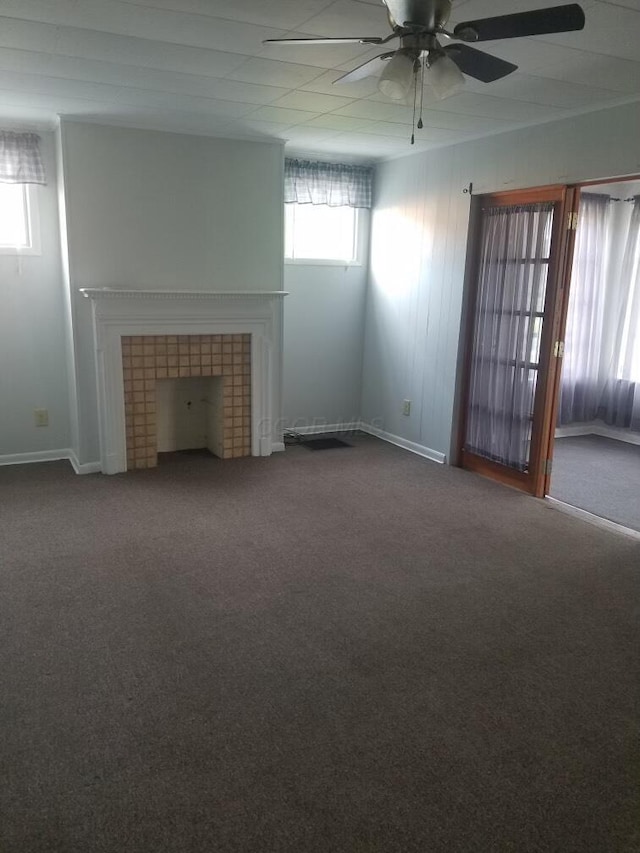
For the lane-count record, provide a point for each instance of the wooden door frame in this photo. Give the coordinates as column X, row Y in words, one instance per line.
column 534, row 481
column 562, row 311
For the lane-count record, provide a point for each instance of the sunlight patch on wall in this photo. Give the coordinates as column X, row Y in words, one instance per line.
column 398, row 240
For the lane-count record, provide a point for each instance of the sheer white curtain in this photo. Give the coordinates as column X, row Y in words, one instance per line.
column 582, row 373
column 620, row 404
column 511, row 292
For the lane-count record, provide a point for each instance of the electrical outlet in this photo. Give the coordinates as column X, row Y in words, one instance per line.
column 406, row 407
column 41, row 417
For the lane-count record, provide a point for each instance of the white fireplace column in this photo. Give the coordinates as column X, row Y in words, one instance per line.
column 119, row 312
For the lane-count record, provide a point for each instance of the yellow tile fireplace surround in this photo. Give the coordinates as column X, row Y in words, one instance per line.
column 142, row 337
column 148, row 358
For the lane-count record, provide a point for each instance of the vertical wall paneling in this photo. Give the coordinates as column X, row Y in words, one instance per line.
column 419, row 239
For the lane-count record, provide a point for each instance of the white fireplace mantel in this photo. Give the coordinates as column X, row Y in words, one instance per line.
column 118, row 312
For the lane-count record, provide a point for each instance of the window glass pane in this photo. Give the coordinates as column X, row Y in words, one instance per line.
column 319, row 232
column 14, row 226
column 288, row 230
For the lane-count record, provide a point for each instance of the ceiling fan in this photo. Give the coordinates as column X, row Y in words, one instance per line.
column 418, row 24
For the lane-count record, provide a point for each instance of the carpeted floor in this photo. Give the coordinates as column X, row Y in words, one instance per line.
column 598, row 474
column 350, row 651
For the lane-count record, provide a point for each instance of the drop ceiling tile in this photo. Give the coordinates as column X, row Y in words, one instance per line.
column 367, row 144
column 92, row 45
column 473, row 104
column 28, row 35
column 460, row 121
column 629, row 4
column 198, row 124
column 377, row 111
column 403, row 131
column 441, row 135
column 286, row 14
column 72, row 68
column 271, row 73
column 166, row 101
column 537, row 90
column 588, row 69
column 609, row 29
column 123, row 18
column 123, row 95
column 313, row 101
column 386, row 129
column 336, row 122
column 282, row 116
column 349, row 18
column 273, row 129
column 248, row 93
column 325, row 84
column 304, row 134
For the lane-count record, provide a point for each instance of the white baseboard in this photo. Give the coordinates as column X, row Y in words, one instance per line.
column 617, row 433
column 84, row 467
column 412, row 446
column 596, row 520
column 65, row 454
column 314, row 429
column 35, row 456
column 277, row 446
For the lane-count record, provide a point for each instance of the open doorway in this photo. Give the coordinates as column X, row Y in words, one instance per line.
column 596, row 447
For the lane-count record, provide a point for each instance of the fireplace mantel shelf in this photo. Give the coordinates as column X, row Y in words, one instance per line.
column 121, row 293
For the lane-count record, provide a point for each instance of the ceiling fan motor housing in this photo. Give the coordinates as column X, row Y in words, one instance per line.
column 428, row 16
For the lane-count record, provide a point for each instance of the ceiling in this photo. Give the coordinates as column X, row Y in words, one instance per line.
column 199, row 66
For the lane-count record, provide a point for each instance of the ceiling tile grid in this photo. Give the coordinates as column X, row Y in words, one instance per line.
column 200, row 66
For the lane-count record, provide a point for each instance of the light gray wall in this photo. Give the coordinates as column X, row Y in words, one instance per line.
column 32, row 335
column 153, row 210
column 323, row 339
column 419, row 236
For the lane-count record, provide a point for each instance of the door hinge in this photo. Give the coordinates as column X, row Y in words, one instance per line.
column 547, row 465
column 572, row 220
column 558, row 349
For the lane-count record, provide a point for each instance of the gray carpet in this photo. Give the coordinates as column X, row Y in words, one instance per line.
column 598, row 474
column 353, row 651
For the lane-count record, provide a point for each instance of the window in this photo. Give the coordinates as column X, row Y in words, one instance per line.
column 319, row 233
column 18, row 225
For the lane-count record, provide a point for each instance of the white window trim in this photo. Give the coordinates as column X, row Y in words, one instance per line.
column 33, row 224
column 362, row 224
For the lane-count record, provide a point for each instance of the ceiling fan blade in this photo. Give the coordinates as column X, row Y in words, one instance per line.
column 365, row 69
column 556, row 19
column 362, row 40
column 476, row 63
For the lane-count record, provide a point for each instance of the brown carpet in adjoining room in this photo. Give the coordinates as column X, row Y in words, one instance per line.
column 349, row 651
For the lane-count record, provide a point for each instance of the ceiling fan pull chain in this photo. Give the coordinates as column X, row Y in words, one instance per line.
column 415, row 98
column 422, row 67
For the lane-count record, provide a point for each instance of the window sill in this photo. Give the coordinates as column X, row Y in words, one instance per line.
column 311, row 262
column 18, row 253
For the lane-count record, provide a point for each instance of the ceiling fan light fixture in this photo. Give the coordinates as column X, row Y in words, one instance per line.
column 444, row 77
column 397, row 77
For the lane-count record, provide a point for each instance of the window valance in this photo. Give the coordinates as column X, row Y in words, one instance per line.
column 20, row 159
column 333, row 184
